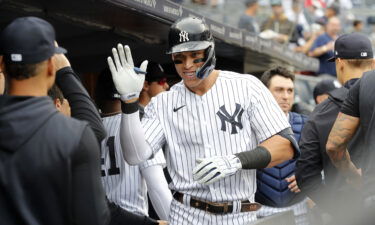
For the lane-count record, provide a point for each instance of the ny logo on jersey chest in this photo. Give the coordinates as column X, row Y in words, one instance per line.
column 234, row 120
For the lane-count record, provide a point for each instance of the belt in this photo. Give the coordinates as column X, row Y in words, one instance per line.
column 217, row 208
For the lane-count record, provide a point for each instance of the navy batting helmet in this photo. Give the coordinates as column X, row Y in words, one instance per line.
column 192, row 34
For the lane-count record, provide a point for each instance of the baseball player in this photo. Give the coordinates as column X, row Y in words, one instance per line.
column 277, row 189
column 49, row 162
column 212, row 123
column 126, row 185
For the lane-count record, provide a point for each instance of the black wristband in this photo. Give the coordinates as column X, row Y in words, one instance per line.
column 129, row 108
column 257, row 158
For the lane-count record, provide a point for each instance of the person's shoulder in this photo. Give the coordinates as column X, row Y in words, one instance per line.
column 175, row 90
column 322, row 37
column 297, row 117
column 70, row 122
column 230, row 75
column 177, row 86
column 324, row 109
column 369, row 75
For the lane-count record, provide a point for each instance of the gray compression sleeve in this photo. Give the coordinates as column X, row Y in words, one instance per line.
column 257, row 158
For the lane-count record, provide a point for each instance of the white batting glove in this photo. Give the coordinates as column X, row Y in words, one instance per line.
column 210, row 170
column 128, row 83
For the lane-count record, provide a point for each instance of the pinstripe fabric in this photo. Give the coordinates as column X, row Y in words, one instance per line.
column 196, row 131
column 127, row 188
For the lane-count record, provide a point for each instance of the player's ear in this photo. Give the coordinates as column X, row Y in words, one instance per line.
column 340, row 64
column 51, row 66
column 57, row 103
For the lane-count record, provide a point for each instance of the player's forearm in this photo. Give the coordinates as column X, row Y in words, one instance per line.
column 271, row 152
column 280, row 149
column 82, row 106
column 319, row 51
column 342, row 132
column 157, row 187
column 133, row 143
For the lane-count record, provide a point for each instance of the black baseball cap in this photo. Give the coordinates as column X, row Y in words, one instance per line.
column 352, row 46
column 28, row 40
column 325, row 86
column 155, row 72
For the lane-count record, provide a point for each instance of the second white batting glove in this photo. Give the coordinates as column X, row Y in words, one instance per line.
column 127, row 82
column 210, row 170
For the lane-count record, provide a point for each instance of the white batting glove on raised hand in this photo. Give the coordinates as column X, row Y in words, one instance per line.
column 128, row 83
column 210, row 170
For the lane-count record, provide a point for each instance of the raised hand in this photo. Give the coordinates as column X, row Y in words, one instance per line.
column 128, row 82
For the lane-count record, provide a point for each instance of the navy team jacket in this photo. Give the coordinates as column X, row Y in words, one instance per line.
column 272, row 188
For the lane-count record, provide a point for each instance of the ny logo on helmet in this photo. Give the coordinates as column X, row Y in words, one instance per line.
column 184, row 36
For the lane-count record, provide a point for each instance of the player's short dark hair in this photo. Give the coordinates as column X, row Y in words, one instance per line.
column 21, row 71
column 278, row 70
column 55, row 93
column 356, row 23
column 360, row 63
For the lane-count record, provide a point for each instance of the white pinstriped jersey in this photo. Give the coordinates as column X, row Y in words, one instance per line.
column 123, row 184
column 235, row 115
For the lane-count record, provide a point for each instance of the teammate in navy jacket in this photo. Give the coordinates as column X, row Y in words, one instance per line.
column 277, row 188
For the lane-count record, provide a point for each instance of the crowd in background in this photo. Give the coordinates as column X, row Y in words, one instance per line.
column 296, row 23
column 86, row 164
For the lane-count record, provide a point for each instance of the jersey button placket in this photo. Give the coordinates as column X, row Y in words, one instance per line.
column 205, row 141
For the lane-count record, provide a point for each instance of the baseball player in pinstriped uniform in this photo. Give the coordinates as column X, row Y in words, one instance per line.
column 212, row 123
column 127, row 185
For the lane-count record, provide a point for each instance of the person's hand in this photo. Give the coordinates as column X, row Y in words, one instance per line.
column 330, row 45
column 293, row 187
column 60, row 60
column 210, row 170
column 128, row 83
column 163, row 222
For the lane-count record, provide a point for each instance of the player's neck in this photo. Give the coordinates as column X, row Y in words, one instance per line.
column 352, row 74
column 206, row 84
column 144, row 99
column 34, row 86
